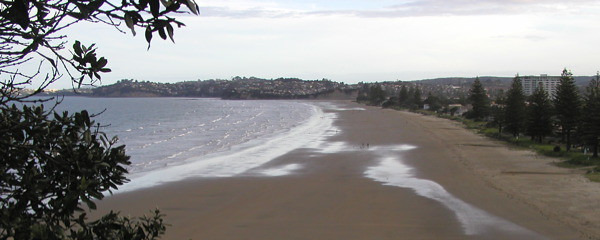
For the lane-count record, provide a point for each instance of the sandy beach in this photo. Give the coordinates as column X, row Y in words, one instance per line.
column 419, row 178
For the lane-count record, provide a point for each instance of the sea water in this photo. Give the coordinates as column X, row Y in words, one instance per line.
column 169, row 139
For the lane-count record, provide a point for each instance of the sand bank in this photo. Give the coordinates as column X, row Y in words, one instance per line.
column 448, row 184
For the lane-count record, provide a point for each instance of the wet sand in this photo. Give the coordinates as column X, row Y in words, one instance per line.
column 329, row 197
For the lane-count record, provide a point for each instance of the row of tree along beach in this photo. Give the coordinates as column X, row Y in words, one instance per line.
column 565, row 124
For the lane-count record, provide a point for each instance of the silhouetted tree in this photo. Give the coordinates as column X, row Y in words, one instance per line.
column 434, row 102
column 539, row 117
column 403, row 96
column 363, row 92
column 591, row 118
column 498, row 112
column 417, row 101
column 480, row 101
column 376, row 94
column 568, row 106
column 514, row 114
column 410, row 100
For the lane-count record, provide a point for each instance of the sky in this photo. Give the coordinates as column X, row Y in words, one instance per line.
column 359, row 40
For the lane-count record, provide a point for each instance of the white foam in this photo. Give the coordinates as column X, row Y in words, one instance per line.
column 335, row 107
column 280, row 171
column 349, row 109
column 391, row 171
column 241, row 158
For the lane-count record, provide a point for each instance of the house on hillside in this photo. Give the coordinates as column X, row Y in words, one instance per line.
column 458, row 109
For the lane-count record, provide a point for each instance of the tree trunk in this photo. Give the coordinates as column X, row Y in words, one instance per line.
column 568, row 140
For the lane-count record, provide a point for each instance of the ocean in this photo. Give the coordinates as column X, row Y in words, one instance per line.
column 170, row 139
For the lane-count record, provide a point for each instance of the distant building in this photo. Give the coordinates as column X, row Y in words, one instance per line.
column 460, row 109
column 548, row 83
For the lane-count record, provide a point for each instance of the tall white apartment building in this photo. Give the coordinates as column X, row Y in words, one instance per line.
column 548, row 83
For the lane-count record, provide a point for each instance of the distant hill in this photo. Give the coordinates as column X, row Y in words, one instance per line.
column 237, row 88
column 458, row 87
column 581, row 81
column 292, row 88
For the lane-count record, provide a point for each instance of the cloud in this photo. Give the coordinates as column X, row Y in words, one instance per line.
column 399, row 9
column 501, row 7
column 246, row 13
column 523, row 37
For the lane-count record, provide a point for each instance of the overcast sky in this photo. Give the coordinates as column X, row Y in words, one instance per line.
column 361, row 40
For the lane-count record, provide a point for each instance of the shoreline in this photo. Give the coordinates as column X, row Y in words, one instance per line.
column 247, row 156
column 327, row 194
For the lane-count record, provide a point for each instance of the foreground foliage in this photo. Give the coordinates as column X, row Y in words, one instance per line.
column 54, row 165
column 51, row 164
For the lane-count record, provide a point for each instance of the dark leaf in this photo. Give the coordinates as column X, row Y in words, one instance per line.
column 86, row 117
column 143, row 4
column 191, row 4
column 136, row 17
column 148, row 35
column 170, row 31
column 154, row 7
column 130, row 22
column 83, row 9
column 52, row 62
column 161, row 33
column 76, row 15
column 88, row 202
column 77, row 48
column 97, row 75
column 179, row 24
column 102, row 62
column 95, row 5
column 19, row 13
column 173, row 7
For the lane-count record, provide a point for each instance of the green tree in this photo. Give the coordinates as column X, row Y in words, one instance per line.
column 376, row 94
column 403, row 96
column 498, row 112
column 514, row 114
column 480, row 101
column 567, row 104
column 591, row 119
column 410, row 99
column 363, row 92
column 417, row 102
column 434, row 102
column 539, row 115
column 53, row 165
